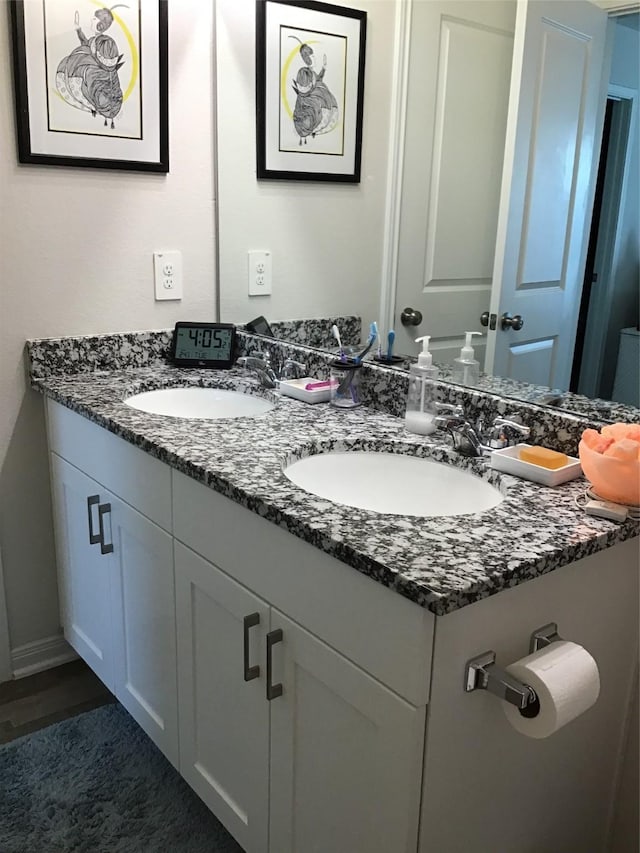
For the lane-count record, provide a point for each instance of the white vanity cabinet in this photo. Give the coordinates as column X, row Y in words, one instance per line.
column 301, row 686
column 115, row 567
column 312, row 752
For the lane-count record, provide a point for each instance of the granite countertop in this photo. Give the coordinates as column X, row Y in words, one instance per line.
column 441, row 563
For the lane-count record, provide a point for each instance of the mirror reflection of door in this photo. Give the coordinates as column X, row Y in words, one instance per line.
column 544, row 202
column 548, row 183
column 457, row 102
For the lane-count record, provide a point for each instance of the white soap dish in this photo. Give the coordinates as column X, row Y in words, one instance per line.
column 506, row 460
column 298, row 388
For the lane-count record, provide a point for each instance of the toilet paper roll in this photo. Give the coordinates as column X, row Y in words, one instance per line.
column 567, row 683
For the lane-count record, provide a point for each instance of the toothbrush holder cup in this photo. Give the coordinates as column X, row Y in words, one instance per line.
column 346, row 388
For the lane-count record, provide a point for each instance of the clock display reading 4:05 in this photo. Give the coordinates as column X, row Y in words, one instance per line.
column 203, row 344
column 199, row 343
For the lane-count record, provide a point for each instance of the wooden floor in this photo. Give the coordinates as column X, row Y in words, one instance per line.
column 32, row 703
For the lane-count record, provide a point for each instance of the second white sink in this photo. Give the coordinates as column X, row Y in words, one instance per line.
column 393, row 483
column 199, row 402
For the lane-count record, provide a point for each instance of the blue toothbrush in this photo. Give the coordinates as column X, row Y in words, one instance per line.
column 379, row 347
column 373, row 334
column 390, row 339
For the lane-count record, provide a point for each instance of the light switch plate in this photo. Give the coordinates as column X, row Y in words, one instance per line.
column 167, row 272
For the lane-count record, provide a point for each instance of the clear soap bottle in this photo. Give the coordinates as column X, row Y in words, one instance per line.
column 421, row 411
column 466, row 368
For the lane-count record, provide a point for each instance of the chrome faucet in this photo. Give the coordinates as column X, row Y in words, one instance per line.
column 268, row 374
column 469, row 440
column 260, row 365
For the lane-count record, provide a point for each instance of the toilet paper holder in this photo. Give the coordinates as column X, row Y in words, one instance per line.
column 543, row 637
column 482, row 673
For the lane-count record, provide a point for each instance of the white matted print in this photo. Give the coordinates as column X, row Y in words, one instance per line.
column 309, row 73
column 91, row 83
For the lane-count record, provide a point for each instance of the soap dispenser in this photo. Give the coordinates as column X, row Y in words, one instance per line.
column 466, row 368
column 420, row 414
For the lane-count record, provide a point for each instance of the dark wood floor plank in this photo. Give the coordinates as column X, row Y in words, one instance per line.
column 29, row 704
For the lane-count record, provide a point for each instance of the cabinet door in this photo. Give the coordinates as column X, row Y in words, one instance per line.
column 83, row 569
column 224, row 719
column 144, row 625
column 346, row 754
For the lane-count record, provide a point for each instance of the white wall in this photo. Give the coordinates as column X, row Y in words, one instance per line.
column 326, row 238
column 76, row 258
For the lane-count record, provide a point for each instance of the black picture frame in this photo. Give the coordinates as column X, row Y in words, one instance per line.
column 121, row 121
column 309, row 106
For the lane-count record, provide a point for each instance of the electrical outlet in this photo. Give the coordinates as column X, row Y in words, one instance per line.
column 167, row 269
column 259, row 272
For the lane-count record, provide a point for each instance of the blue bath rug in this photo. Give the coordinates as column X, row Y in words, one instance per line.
column 97, row 784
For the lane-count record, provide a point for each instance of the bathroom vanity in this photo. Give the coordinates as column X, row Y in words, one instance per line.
column 302, row 663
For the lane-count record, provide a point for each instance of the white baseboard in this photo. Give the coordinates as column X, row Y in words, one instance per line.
column 40, row 655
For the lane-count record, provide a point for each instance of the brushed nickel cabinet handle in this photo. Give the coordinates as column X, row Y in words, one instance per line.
column 250, row 672
column 94, row 538
column 273, row 690
column 103, row 509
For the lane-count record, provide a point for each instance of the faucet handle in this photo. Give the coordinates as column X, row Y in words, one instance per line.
column 506, row 431
column 449, row 409
column 292, row 369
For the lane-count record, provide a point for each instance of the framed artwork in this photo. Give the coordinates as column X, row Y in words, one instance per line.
column 91, row 83
column 309, row 90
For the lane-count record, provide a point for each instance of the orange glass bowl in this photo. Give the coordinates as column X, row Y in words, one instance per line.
column 616, row 480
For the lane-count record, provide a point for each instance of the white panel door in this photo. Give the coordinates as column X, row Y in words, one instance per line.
column 83, row 570
column 457, row 103
column 346, row 754
column 554, row 114
column 144, row 624
column 224, row 719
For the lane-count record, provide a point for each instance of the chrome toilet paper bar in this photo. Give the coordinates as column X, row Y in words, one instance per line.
column 482, row 673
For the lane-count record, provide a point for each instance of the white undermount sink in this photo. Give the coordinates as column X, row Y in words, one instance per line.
column 196, row 402
column 393, row 483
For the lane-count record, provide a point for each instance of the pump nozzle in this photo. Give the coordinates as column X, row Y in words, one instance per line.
column 425, row 359
column 467, row 350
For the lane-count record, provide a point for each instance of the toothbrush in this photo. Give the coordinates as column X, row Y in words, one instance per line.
column 390, row 339
column 379, row 337
column 336, row 334
column 373, row 333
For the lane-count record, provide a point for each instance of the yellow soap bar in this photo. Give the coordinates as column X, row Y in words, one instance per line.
column 543, row 457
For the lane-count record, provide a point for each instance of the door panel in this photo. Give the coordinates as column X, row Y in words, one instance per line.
column 224, row 720
column 532, row 361
column 345, row 754
column 548, row 179
column 144, row 624
column 83, row 569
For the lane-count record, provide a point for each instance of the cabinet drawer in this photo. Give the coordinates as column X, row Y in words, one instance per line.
column 379, row 630
column 139, row 479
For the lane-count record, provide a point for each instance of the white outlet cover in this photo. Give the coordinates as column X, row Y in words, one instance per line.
column 167, row 271
column 259, row 273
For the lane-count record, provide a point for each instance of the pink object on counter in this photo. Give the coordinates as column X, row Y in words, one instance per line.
column 611, row 463
column 316, row 386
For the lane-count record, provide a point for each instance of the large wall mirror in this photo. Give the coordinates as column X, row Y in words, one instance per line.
column 476, row 204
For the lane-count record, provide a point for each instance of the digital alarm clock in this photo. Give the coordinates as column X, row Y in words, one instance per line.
column 203, row 345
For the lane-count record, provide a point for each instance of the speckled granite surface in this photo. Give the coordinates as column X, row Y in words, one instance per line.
column 442, row 563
